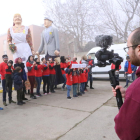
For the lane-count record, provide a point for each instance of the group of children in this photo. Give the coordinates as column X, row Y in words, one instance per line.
column 38, row 71
column 76, row 77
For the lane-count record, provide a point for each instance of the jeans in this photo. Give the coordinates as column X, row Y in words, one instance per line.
column 4, row 91
column 78, row 88
column 90, row 79
column 38, row 80
column 64, row 76
column 46, row 80
column 75, row 90
column 82, row 86
column 133, row 76
column 128, row 79
column 68, row 90
column 85, row 86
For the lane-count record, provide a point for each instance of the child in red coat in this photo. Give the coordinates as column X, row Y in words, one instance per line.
column 69, row 82
column 38, row 75
column 75, row 82
column 83, row 80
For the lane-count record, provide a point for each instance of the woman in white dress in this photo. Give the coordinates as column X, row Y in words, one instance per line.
column 20, row 36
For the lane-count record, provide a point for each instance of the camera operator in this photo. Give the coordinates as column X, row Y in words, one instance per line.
column 127, row 121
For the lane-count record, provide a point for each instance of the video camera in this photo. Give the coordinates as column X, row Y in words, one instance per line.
column 106, row 57
column 103, row 55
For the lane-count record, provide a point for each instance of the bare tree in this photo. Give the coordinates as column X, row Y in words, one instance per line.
column 75, row 17
column 119, row 18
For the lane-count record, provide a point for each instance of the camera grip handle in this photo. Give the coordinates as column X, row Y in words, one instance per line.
column 119, row 98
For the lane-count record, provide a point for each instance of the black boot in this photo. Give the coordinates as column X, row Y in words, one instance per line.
column 19, row 103
column 23, row 96
column 11, row 101
column 79, row 94
column 32, row 96
column 28, row 92
column 23, row 102
column 91, row 85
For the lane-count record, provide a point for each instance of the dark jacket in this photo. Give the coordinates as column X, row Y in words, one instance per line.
column 23, row 73
column 17, row 81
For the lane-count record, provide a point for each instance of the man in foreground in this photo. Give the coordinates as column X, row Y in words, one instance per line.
column 127, row 121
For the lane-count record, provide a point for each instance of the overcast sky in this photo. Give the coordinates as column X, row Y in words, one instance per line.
column 32, row 12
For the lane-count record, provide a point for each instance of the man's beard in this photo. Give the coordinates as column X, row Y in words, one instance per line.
column 5, row 61
column 134, row 59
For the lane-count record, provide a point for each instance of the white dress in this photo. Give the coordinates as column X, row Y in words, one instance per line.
column 23, row 48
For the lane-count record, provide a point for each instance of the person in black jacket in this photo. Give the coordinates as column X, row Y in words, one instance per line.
column 18, row 85
column 18, row 62
column 8, row 76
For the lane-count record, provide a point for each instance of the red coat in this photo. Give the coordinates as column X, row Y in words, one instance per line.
column 69, row 79
column 113, row 66
column 82, row 78
column 63, row 65
column 8, row 72
column 52, row 71
column 46, row 70
column 68, row 64
column 86, row 75
column 38, row 72
column 73, row 62
column 90, row 63
column 75, row 79
column 2, row 70
column 32, row 72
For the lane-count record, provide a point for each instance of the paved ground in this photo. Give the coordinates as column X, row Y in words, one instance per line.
column 53, row 117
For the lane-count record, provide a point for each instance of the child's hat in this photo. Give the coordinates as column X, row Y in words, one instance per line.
column 10, row 61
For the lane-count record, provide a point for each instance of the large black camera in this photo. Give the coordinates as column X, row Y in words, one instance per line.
column 106, row 57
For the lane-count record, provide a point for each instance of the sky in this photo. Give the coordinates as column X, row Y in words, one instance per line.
column 32, row 12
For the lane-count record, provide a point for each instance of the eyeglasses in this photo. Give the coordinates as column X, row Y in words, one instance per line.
column 126, row 49
column 17, row 17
